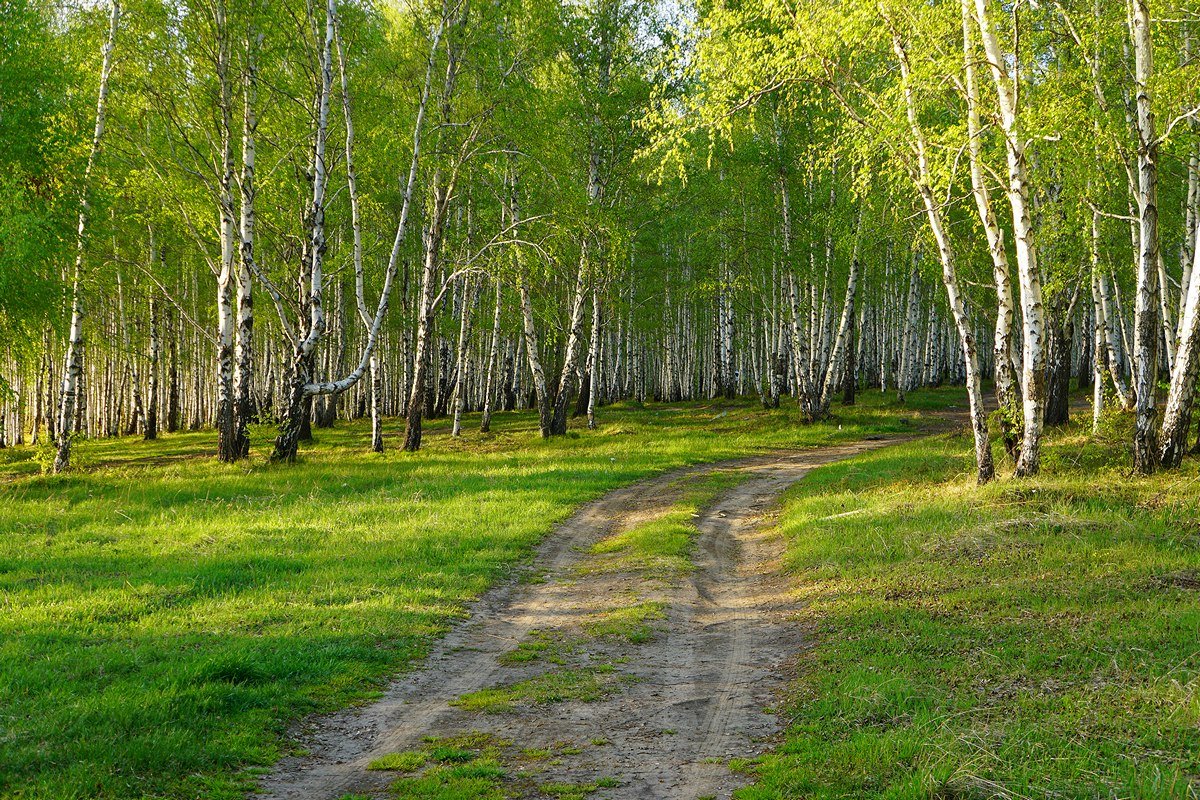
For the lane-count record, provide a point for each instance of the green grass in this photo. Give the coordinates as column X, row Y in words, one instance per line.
column 584, row 684
column 479, row 766
column 549, row 646
column 480, row 779
column 1029, row 639
column 633, row 623
column 572, row 791
column 407, row 761
column 661, row 546
column 163, row 617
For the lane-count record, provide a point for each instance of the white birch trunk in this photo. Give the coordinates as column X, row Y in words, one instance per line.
column 489, row 390
column 566, row 381
column 1146, row 329
column 244, row 357
column 73, row 366
column 593, row 364
column 985, row 469
column 1005, row 378
column 285, row 443
column 1033, row 366
column 1177, row 415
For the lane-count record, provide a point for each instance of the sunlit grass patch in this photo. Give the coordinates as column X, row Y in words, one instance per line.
column 633, row 623
column 406, row 761
column 481, row 779
column 1018, row 640
column 661, row 546
column 584, row 684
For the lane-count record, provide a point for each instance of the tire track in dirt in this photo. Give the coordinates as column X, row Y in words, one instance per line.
column 698, row 693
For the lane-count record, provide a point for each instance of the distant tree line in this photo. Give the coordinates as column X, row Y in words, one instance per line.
column 242, row 211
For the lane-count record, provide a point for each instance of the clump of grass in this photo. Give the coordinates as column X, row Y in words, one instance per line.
column 482, row 779
column 568, row 791
column 475, row 766
column 586, row 685
column 466, row 766
column 470, row 740
column 451, row 755
column 631, row 623
column 551, row 646
column 406, row 761
column 742, row 766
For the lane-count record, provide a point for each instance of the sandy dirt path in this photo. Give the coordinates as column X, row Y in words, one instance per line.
column 699, row 693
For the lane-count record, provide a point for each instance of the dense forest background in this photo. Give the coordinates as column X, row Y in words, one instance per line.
column 240, row 211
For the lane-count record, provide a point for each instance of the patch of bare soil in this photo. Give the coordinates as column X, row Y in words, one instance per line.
column 694, row 695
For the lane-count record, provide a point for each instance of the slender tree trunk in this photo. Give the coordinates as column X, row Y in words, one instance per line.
column 593, row 362
column 153, row 366
column 1146, row 328
column 1005, row 378
column 850, row 376
column 227, row 439
column 532, row 348
column 1062, row 332
column 1177, row 415
column 842, row 343
column 297, row 415
column 416, row 397
column 173, row 381
column 244, row 356
column 489, row 390
column 73, row 366
column 908, row 334
column 299, row 390
column 1099, row 353
column 1033, row 314
column 983, row 451
column 566, row 380
column 1112, row 316
column 462, row 358
column 136, row 410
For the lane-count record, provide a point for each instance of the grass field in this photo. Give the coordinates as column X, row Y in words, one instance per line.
column 164, row 617
column 1027, row 640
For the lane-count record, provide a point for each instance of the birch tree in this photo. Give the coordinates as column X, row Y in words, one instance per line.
column 301, row 387
column 73, row 366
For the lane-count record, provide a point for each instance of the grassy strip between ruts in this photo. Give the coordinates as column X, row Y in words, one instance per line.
column 479, row 766
column 164, row 617
column 1029, row 639
column 649, row 554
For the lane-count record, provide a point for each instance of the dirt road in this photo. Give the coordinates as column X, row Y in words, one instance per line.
column 676, row 706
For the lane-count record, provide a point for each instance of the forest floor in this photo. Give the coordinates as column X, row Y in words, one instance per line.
column 607, row 618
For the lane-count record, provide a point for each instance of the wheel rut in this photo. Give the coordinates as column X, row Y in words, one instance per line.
column 695, row 695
